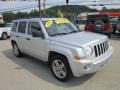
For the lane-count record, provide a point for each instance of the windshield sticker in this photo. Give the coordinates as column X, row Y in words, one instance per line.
column 48, row 23
column 60, row 21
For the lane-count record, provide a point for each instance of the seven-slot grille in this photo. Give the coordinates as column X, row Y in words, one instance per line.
column 101, row 48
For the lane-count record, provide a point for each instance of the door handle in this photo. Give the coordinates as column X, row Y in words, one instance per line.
column 28, row 39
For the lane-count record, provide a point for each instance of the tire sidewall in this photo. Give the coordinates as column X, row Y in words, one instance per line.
column 68, row 69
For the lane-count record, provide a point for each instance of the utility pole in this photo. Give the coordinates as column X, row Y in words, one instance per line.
column 39, row 6
column 44, row 6
column 67, row 1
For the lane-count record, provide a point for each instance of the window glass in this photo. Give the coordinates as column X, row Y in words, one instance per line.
column 14, row 27
column 33, row 26
column 22, row 27
column 58, row 27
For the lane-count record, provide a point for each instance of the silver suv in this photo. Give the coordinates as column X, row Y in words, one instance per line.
column 57, row 41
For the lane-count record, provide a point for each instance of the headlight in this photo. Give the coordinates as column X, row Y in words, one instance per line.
column 88, row 51
column 78, row 53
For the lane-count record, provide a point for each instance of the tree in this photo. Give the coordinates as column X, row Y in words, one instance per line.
column 8, row 16
column 104, row 9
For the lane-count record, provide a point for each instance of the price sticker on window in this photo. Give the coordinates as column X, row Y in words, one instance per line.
column 48, row 23
column 60, row 21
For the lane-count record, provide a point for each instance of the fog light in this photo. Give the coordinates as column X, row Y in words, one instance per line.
column 87, row 67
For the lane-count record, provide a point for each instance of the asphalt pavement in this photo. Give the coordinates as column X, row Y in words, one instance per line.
column 27, row 73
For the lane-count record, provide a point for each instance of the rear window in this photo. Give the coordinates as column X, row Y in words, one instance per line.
column 22, row 26
column 94, row 18
column 14, row 27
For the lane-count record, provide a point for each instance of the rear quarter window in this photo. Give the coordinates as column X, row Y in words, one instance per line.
column 14, row 27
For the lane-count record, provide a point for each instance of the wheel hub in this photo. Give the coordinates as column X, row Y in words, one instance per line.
column 59, row 68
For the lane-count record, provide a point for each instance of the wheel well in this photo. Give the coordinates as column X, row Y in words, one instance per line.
column 52, row 53
column 4, row 32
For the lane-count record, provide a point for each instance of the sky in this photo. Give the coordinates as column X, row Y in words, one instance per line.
column 20, row 4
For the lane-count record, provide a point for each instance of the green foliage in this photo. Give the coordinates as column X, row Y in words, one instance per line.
column 77, row 9
column 104, row 9
column 8, row 16
column 52, row 12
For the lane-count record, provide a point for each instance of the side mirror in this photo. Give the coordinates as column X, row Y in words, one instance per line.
column 37, row 34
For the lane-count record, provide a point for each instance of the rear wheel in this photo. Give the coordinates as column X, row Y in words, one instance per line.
column 16, row 50
column 98, row 26
column 60, row 68
column 4, row 36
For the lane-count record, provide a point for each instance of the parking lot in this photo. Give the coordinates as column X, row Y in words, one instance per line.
column 27, row 73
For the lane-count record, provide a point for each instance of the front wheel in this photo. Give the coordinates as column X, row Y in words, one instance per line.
column 60, row 68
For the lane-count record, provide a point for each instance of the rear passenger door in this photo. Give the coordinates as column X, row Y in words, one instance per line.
column 20, row 35
column 35, row 45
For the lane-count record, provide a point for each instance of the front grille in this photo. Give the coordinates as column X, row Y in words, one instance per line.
column 101, row 48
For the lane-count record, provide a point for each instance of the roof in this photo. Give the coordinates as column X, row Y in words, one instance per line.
column 38, row 19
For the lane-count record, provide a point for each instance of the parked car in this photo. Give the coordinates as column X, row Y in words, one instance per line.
column 99, row 23
column 5, row 30
column 57, row 41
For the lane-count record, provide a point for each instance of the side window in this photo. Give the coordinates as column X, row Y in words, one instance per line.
column 22, row 26
column 33, row 26
column 14, row 27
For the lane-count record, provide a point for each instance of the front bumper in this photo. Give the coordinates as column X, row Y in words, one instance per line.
column 82, row 67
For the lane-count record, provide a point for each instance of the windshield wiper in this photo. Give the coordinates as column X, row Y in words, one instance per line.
column 59, row 34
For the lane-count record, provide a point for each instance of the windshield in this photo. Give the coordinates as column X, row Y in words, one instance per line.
column 59, row 27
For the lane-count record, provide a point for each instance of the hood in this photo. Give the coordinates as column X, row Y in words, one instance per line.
column 78, row 39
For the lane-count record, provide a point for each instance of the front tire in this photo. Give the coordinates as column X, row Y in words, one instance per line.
column 60, row 68
column 16, row 50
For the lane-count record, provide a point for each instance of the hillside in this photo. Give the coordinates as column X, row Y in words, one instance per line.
column 77, row 9
column 72, row 9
